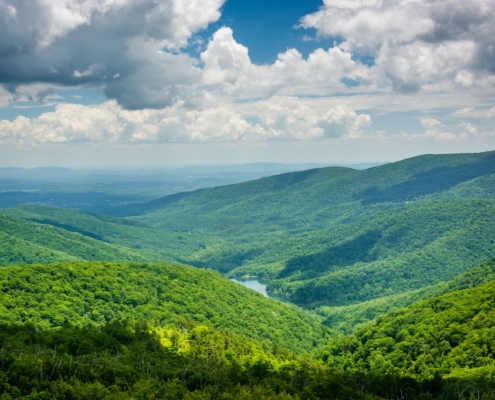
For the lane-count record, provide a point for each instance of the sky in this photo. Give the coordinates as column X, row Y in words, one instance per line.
column 186, row 82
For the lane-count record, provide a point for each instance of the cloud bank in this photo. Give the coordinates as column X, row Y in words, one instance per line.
column 280, row 118
column 139, row 53
column 127, row 47
column 416, row 43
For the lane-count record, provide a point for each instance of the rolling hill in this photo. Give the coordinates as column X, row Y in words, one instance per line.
column 320, row 197
column 39, row 234
column 347, row 319
column 393, row 251
column 82, row 293
column 437, row 348
column 26, row 242
column 451, row 335
column 333, row 236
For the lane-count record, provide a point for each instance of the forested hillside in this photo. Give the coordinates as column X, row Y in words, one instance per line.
column 387, row 253
column 441, row 348
column 187, row 361
column 79, row 234
column 451, row 336
column 326, row 237
column 347, row 318
column 321, row 197
column 47, row 295
column 26, row 242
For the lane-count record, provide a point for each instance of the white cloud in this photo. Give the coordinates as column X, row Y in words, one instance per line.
column 114, row 44
column 230, row 72
column 279, row 118
column 5, row 97
column 415, row 43
column 132, row 49
column 224, row 58
column 285, row 117
column 465, row 78
column 434, row 129
column 470, row 112
column 466, row 133
column 416, row 65
column 428, row 55
column 469, row 130
column 430, row 123
column 368, row 24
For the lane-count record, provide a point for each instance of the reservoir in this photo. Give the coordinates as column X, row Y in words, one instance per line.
column 259, row 286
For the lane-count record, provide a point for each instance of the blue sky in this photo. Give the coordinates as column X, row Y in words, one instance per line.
column 150, row 82
column 270, row 23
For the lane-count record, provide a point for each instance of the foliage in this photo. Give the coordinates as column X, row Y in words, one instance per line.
column 122, row 361
column 357, row 241
column 47, row 295
column 452, row 335
column 388, row 253
column 188, row 361
column 86, row 236
column 25, row 242
column 347, row 319
column 319, row 198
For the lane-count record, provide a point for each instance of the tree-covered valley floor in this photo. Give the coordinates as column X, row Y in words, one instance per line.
column 347, row 244
column 141, row 331
column 349, row 248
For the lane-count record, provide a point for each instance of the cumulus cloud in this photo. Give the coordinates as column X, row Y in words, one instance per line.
column 280, row 118
column 134, row 50
column 468, row 130
column 121, row 45
column 228, row 70
column 286, row 117
column 415, row 43
column 435, row 129
column 470, row 112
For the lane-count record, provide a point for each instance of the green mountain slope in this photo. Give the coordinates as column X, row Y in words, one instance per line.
column 330, row 236
column 338, row 236
column 319, row 198
column 451, row 335
column 347, row 319
column 103, row 292
column 387, row 253
column 39, row 234
column 442, row 348
column 26, row 242
column 134, row 361
column 124, row 361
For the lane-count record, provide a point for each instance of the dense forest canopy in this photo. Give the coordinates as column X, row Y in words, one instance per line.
column 346, row 318
column 438, row 348
column 188, row 361
column 451, row 335
column 328, row 237
column 385, row 261
column 96, row 292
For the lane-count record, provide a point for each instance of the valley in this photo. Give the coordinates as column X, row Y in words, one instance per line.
column 330, row 237
column 380, row 279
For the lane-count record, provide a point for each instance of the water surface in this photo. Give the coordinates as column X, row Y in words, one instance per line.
column 259, row 285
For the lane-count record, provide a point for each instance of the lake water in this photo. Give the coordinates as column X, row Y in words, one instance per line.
column 259, row 286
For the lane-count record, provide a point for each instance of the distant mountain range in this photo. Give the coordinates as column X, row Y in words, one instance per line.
column 100, row 190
